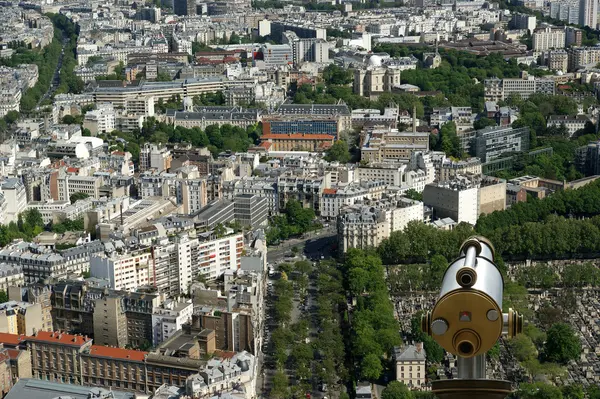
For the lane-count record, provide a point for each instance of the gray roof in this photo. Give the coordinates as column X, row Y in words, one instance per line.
column 409, row 353
column 314, row 109
column 37, row 389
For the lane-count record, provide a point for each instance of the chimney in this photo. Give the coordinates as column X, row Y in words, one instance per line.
column 419, row 346
column 414, row 115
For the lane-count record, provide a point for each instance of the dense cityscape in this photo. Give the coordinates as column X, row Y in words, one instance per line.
column 244, row 199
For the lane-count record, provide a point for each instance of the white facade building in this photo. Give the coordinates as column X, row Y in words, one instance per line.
column 101, row 120
column 126, row 271
column 168, row 319
column 457, row 199
column 548, row 38
column 15, row 197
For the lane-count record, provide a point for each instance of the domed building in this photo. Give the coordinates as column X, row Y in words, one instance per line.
column 375, row 78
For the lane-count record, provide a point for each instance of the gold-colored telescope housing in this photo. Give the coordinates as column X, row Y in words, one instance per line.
column 467, row 319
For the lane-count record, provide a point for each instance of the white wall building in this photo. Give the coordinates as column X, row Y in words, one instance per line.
column 169, row 318
column 15, row 197
column 126, row 271
column 457, row 199
column 100, row 120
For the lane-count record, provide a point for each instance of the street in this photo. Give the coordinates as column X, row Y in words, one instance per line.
column 313, row 245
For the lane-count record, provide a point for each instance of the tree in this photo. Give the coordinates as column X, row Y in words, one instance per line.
column 413, row 194
column 483, row 123
column 396, row 390
column 3, row 296
column 574, row 391
column 449, row 141
column 280, row 385
column 523, row 348
column 338, row 152
column 336, row 75
column 33, row 218
column 539, row 390
column 11, row 117
column 78, row 196
column 562, row 344
column 371, row 367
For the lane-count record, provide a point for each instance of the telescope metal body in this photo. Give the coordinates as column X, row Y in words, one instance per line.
column 467, row 320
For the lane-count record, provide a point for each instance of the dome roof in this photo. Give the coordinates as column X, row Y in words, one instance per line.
column 375, row 61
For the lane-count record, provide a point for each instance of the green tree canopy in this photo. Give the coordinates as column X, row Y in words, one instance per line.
column 371, row 367
column 338, row 152
column 562, row 344
column 396, row 390
column 78, row 196
column 539, row 390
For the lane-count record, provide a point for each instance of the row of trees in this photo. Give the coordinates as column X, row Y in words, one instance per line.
column 46, row 61
column 69, row 83
column 216, row 138
column 321, row 359
column 374, row 328
column 583, row 202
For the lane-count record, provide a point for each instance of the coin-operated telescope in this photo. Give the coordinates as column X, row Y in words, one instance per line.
column 467, row 321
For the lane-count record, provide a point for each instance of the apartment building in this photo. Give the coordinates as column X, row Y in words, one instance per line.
column 250, row 210
column 215, row 256
column 558, row 60
column 390, row 144
column 581, row 57
column 11, row 275
column 547, row 38
column 588, row 13
column 272, row 55
column 264, row 187
column 20, row 317
column 390, row 173
column 366, row 225
column 48, row 208
column 37, row 293
column 411, row 365
column 127, row 270
column 456, row 199
column 110, row 321
column 492, row 195
column 68, row 184
column 334, row 199
column 169, row 318
column 500, row 89
column 449, row 169
column 491, row 142
column 16, row 198
column 101, row 120
column 565, row 10
column 38, row 262
column 10, row 99
column 155, row 157
column 73, row 306
column 55, row 356
column 572, row 123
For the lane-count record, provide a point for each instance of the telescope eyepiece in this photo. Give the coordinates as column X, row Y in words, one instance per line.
column 466, row 277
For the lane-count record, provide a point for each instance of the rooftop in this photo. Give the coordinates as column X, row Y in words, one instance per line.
column 37, row 389
column 117, row 353
column 65, row 339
